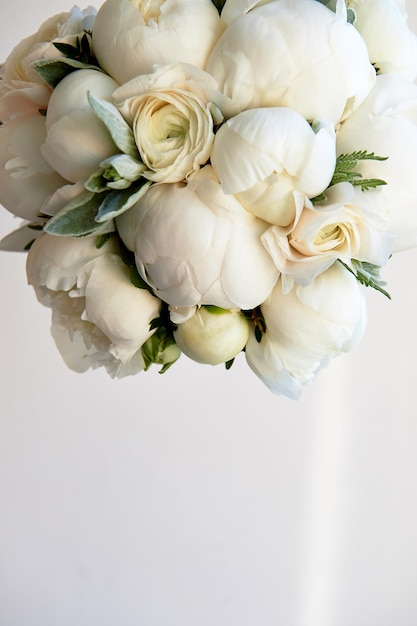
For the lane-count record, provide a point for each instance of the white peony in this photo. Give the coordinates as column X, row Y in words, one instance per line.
column 77, row 140
column 22, row 90
column 392, row 45
column 98, row 317
column 264, row 155
column 345, row 227
column 213, row 335
column 26, row 179
column 131, row 36
column 386, row 124
column 194, row 245
column 171, row 112
column 305, row 328
column 296, row 54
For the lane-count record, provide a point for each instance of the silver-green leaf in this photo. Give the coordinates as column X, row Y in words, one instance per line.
column 117, row 126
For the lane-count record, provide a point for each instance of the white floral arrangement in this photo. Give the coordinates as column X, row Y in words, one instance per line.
column 211, row 178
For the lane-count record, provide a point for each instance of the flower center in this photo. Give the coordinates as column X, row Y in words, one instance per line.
column 150, row 10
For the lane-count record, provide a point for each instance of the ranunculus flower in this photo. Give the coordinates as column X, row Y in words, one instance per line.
column 264, row 155
column 22, row 90
column 392, row 45
column 345, row 227
column 306, row 328
column 386, row 124
column 311, row 60
column 194, row 245
column 98, row 317
column 77, row 140
column 131, row 36
column 26, row 179
column 213, row 335
column 171, row 112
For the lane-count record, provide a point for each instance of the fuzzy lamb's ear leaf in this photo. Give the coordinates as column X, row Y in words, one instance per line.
column 119, row 129
column 117, row 202
column 54, row 70
column 77, row 219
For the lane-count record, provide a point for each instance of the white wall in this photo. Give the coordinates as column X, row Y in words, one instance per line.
column 198, row 498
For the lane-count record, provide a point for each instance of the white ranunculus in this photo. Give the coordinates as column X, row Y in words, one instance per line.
column 311, row 60
column 171, row 113
column 392, row 45
column 305, row 328
column 26, row 179
column 213, row 336
column 345, row 227
column 98, row 317
column 264, row 155
column 194, row 245
column 386, row 124
column 131, row 36
column 77, row 140
column 22, row 90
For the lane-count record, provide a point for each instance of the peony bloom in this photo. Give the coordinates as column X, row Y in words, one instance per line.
column 305, row 328
column 392, row 45
column 264, row 155
column 22, row 90
column 386, row 124
column 194, row 245
column 77, row 140
column 171, row 112
column 26, row 179
column 311, row 60
column 98, row 317
column 131, row 36
column 345, row 227
column 213, row 335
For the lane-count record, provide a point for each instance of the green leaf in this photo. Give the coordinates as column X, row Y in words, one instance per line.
column 52, row 71
column 215, row 310
column 117, row 202
column 367, row 274
column 115, row 123
column 229, row 364
column 77, row 219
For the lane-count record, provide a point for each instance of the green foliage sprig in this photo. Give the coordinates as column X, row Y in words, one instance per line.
column 367, row 274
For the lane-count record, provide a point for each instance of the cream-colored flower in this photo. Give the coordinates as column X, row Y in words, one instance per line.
column 296, row 54
column 194, row 245
column 26, row 179
column 213, row 335
column 345, row 227
column 305, row 328
column 264, row 155
column 392, row 45
column 22, row 90
column 171, row 112
column 131, row 36
column 98, row 317
column 77, row 140
column 386, row 124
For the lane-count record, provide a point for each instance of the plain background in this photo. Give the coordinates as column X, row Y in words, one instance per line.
column 198, row 498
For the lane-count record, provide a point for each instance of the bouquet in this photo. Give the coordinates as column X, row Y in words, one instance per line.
column 219, row 179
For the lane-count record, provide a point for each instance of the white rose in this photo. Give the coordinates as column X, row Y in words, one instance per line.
column 98, row 317
column 171, row 113
column 391, row 43
column 264, row 155
column 345, row 227
column 131, row 36
column 194, row 245
column 213, row 335
column 77, row 140
column 26, row 179
column 296, row 54
column 22, row 90
column 386, row 124
column 305, row 328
